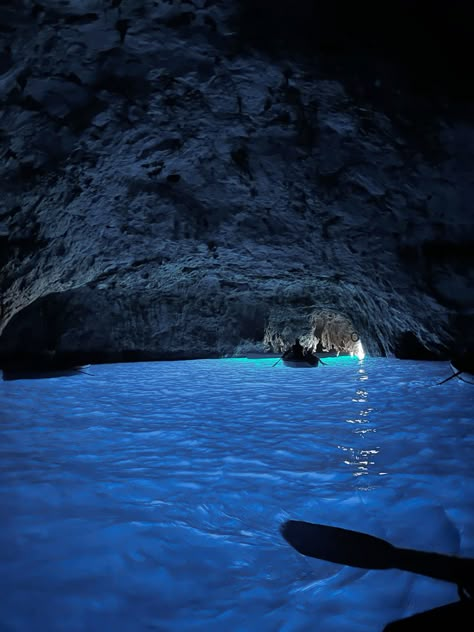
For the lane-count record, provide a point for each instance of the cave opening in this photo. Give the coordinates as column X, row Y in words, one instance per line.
column 333, row 333
column 324, row 332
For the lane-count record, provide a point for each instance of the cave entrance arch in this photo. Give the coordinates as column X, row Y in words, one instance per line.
column 322, row 331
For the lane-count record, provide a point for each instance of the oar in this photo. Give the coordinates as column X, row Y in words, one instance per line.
column 450, row 377
column 276, row 362
column 85, row 372
column 353, row 548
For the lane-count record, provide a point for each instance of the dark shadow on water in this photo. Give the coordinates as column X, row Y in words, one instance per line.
column 353, row 548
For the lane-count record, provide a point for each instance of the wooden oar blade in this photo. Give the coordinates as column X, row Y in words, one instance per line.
column 337, row 545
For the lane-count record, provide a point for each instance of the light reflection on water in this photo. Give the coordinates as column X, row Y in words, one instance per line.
column 362, row 458
column 148, row 496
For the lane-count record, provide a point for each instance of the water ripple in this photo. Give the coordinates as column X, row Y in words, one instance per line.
column 148, row 496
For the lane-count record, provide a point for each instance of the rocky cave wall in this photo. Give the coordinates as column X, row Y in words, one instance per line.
column 181, row 180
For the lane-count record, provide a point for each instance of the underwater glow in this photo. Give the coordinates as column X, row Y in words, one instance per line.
column 149, row 496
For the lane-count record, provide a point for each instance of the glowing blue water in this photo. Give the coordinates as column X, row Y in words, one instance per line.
column 149, row 496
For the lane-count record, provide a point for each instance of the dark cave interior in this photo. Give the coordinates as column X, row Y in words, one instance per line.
column 427, row 46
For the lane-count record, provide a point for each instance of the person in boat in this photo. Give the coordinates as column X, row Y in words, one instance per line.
column 298, row 353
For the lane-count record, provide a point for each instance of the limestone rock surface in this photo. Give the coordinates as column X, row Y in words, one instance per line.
column 171, row 191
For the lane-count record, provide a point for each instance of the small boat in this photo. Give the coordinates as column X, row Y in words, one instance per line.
column 34, row 373
column 37, row 366
column 308, row 360
column 299, row 358
column 298, row 364
column 321, row 354
column 463, row 367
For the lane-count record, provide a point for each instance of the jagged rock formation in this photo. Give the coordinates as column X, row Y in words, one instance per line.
column 170, row 190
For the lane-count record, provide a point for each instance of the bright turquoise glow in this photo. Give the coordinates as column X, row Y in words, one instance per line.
column 270, row 361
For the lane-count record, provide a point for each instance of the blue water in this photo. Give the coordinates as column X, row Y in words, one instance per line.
column 148, row 497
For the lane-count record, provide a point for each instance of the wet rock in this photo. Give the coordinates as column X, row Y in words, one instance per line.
column 171, row 191
column 59, row 98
